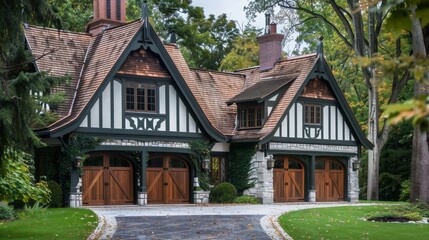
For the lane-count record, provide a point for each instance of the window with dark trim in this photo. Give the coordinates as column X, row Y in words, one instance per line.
column 250, row 116
column 140, row 97
column 118, row 9
column 312, row 114
column 108, row 6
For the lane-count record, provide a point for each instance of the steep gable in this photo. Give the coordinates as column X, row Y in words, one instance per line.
column 318, row 88
column 143, row 62
column 301, row 66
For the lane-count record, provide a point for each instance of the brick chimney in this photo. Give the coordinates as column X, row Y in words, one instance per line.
column 270, row 45
column 107, row 13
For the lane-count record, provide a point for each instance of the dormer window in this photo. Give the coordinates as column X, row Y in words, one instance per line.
column 140, row 97
column 312, row 114
column 250, row 116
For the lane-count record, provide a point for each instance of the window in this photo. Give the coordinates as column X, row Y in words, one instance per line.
column 217, row 170
column 250, row 116
column 118, row 10
column 312, row 114
column 108, row 6
column 140, row 97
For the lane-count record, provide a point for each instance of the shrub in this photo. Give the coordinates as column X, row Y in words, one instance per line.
column 223, row 193
column 56, row 194
column 405, row 190
column 32, row 211
column 6, row 212
column 246, row 199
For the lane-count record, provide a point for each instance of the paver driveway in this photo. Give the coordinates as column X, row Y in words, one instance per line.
column 196, row 221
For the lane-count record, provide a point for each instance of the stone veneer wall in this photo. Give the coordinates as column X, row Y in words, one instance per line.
column 263, row 188
column 353, row 181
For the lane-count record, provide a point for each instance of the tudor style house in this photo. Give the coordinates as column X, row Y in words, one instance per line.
column 139, row 96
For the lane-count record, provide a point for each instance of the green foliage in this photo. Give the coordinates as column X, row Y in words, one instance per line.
column 32, row 211
column 17, row 183
column 202, row 151
column 55, row 223
column 223, row 193
column 56, row 194
column 240, row 166
column 6, row 212
column 404, row 213
column 405, row 190
column 246, row 199
column 245, row 51
column 74, row 15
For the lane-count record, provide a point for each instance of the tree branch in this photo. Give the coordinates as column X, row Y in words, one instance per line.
column 343, row 19
column 28, row 61
column 287, row 5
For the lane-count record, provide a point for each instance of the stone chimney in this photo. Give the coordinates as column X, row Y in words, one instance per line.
column 107, row 14
column 270, row 45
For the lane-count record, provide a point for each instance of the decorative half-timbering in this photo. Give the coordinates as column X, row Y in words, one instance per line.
column 138, row 95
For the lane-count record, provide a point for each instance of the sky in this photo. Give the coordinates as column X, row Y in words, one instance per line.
column 234, row 10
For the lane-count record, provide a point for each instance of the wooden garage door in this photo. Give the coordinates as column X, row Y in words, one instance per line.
column 329, row 180
column 288, row 180
column 107, row 180
column 167, row 180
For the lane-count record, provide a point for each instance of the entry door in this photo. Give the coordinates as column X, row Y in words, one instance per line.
column 329, row 180
column 107, row 180
column 167, row 180
column 288, row 180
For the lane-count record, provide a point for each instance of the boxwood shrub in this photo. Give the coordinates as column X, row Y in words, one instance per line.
column 223, row 193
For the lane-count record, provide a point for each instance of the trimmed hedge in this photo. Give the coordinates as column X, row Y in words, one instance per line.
column 223, row 193
column 56, row 194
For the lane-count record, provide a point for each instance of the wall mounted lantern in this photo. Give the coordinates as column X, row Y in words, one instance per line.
column 206, row 163
column 270, row 162
column 78, row 162
column 355, row 165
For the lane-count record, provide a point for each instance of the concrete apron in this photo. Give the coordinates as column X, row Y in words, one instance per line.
column 107, row 214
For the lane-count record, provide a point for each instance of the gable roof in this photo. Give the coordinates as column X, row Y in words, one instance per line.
column 296, row 71
column 90, row 60
column 101, row 54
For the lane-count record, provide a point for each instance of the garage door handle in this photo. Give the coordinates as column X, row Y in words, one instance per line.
column 326, row 183
column 286, row 183
column 165, row 184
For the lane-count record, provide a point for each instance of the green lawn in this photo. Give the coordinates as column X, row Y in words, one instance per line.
column 344, row 223
column 55, row 223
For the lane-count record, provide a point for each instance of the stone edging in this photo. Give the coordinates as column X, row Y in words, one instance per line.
column 100, row 228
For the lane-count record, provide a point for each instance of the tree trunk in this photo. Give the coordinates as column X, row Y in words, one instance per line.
column 420, row 154
column 374, row 154
column 373, row 124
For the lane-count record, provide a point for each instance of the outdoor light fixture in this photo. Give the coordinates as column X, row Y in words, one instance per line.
column 206, row 163
column 355, row 165
column 78, row 162
column 270, row 162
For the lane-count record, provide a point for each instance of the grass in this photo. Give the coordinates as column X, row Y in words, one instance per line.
column 345, row 223
column 54, row 223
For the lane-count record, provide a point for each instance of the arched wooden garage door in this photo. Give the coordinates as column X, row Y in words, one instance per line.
column 288, row 180
column 107, row 180
column 329, row 180
column 167, row 180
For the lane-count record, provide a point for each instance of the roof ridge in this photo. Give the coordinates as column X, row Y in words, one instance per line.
column 297, row 57
column 26, row 26
column 122, row 25
column 216, row 71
